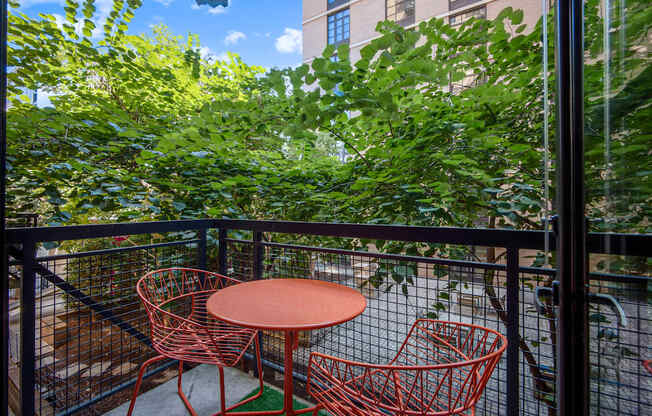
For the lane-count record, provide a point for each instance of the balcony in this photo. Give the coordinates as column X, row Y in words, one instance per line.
column 83, row 333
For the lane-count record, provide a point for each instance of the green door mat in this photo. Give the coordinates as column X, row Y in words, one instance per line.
column 271, row 399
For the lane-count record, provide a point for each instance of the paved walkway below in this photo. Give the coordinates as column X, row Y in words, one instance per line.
column 200, row 385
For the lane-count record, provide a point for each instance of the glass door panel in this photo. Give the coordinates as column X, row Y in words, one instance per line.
column 618, row 167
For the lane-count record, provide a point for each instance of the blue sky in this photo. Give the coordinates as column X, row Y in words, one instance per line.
column 262, row 32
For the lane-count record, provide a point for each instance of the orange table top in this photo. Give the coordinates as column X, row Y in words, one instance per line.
column 286, row 304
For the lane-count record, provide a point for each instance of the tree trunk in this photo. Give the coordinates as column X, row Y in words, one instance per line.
column 535, row 371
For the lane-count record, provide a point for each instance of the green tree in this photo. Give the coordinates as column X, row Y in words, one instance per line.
column 112, row 100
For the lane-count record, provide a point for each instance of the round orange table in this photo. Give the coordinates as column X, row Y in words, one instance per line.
column 288, row 305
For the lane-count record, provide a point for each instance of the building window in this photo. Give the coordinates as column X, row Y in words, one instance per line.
column 400, row 11
column 478, row 13
column 334, row 3
column 338, row 27
column 458, row 4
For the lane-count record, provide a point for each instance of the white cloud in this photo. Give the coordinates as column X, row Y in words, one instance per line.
column 211, row 10
column 103, row 9
column 224, row 56
column 61, row 20
column 290, row 42
column 234, row 37
column 156, row 20
column 165, row 3
column 205, row 52
column 217, row 10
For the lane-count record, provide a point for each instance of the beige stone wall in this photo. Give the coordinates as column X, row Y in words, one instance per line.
column 425, row 9
column 531, row 10
column 314, row 38
column 365, row 15
column 354, row 55
column 313, row 7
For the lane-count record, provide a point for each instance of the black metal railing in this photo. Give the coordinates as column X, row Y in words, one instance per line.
column 62, row 368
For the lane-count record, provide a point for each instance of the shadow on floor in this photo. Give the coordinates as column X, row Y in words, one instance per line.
column 200, row 385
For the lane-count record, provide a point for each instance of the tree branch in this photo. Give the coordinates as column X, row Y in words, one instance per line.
column 340, row 138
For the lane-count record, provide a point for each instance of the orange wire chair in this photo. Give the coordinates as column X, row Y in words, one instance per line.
column 181, row 329
column 442, row 368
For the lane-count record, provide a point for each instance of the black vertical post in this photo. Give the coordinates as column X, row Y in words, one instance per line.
column 258, row 256
column 201, row 248
column 513, row 335
column 4, row 282
column 258, row 274
column 27, row 328
column 572, row 361
column 221, row 254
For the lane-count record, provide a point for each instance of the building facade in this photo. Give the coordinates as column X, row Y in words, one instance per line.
column 353, row 22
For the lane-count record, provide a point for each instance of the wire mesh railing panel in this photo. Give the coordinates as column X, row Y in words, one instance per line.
column 619, row 384
column 92, row 333
column 240, row 259
column 537, row 328
column 398, row 292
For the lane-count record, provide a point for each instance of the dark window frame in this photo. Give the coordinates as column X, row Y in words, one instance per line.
column 331, row 4
column 458, row 4
column 406, row 21
column 454, row 24
column 346, row 23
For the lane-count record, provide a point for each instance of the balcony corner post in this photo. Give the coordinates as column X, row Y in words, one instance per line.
column 258, row 275
column 258, row 256
column 513, row 335
column 201, row 247
column 28, row 328
column 222, row 269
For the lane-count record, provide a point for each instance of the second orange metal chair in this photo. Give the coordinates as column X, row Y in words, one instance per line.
column 181, row 329
column 442, row 368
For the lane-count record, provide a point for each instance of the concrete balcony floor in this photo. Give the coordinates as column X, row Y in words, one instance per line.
column 200, row 385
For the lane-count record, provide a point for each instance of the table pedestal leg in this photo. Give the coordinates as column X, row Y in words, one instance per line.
column 291, row 344
column 291, row 337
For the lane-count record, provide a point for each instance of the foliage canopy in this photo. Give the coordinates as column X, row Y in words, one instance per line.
column 143, row 127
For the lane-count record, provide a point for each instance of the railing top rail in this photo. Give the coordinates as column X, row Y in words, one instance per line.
column 630, row 244
column 81, row 232
column 443, row 235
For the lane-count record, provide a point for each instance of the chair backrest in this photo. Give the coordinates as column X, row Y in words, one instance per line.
column 441, row 368
column 177, row 296
column 455, row 358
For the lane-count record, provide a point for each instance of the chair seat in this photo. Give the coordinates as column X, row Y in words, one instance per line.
column 208, row 343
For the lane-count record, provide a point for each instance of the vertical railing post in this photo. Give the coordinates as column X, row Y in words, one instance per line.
column 4, row 284
column 258, row 275
column 27, row 329
column 513, row 333
column 201, row 260
column 4, row 342
column 201, row 247
column 258, row 256
column 221, row 253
